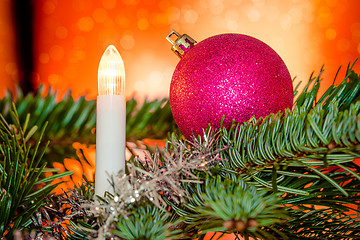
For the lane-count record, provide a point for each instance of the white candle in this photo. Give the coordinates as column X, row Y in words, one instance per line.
column 110, row 120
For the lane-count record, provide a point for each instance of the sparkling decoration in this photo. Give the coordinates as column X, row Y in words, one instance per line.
column 156, row 179
column 231, row 75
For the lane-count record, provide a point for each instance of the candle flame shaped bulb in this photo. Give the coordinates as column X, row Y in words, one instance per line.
column 110, row 121
column 111, row 73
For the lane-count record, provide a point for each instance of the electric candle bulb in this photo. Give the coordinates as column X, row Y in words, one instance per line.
column 110, row 120
column 111, row 74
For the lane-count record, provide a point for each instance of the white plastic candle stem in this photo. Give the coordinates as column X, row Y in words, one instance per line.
column 110, row 140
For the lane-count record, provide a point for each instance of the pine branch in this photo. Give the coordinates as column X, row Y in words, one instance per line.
column 22, row 184
column 224, row 205
column 285, row 153
column 64, row 216
column 146, row 222
column 73, row 120
column 69, row 120
column 325, row 134
column 287, row 176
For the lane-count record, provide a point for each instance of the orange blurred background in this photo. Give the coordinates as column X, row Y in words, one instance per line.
column 71, row 35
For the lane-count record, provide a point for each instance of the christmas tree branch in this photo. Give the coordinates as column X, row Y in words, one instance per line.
column 72, row 120
column 326, row 134
column 23, row 187
column 289, row 175
column 289, row 155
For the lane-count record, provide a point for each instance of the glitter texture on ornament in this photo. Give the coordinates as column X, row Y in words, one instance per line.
column 231, row 75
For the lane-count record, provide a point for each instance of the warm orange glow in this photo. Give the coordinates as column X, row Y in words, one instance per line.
column 336, row 36
column 70, row 37
column 9, row 74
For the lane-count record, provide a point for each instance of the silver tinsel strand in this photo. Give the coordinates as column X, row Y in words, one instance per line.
column 160, row 177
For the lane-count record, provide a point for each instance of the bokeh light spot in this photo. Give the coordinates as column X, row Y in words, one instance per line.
column 232, row 25
column 81, row 55
column 53, row 79
column 61, row 32
column 48, row 7
column 56, row 53
column 100, row 15
column 190, row 16
column 11, row 68
column 85, row 24
column 216, row 7
column 330, row 34
column 296, row 14
column 127, row 42
column 173, row 14
column 325, row 17
column 44, row 58
column 254, row 15
column 143, row 24
column 324, row 12
column 202, row 5
column 355, row 32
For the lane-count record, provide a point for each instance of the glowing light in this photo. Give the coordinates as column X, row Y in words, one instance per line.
column 111, row 73
column 85, row 24
column 127, row 42
column 203, row 164
column 48, row 7
column 190, row 16
column 110, row 120
column 57, row 52
column 11, row 68
column 143, row 24
column 254, row 15
column 330, row 34
column 61, row 32
column 53, row 79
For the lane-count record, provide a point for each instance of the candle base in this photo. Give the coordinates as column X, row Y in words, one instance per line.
column 110, row 140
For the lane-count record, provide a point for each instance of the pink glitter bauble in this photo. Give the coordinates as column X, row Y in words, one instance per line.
column 231, row 75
